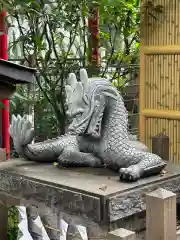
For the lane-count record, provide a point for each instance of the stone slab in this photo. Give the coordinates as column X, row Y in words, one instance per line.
column 59, row 199
column 96, row 181
column 132, row 202
column 96, row 194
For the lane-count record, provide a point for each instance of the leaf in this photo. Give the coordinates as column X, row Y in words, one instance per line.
column 13, row 103
column 14, row 45
column 54, row 54
column 38, row 41
column 22, row 38
column 17, row 95
column 2, row 105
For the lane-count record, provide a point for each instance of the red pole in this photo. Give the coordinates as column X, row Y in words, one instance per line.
column 5, row 111
column 93, row 23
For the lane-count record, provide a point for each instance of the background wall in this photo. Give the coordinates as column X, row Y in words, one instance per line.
column 160, row 73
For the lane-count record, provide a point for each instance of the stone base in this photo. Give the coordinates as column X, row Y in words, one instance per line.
column 91, row 198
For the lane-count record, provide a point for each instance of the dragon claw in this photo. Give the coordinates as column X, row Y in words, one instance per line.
column 131, row 173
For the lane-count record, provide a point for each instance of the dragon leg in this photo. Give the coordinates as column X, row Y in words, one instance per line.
column 71, row 157
column 149, row 164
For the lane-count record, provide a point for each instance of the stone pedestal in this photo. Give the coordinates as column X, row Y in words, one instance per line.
column 87, row 200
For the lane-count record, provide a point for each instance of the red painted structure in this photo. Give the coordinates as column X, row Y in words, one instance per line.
column 5, row 111
column 93, row 23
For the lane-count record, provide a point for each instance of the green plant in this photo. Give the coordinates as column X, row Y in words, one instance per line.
column 120, row 22
column 48, row 42
column 13, row 221
column 53, row 37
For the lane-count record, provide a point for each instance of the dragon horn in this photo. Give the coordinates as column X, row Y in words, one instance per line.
column 72, row 81
column 78, row 92
column 84, row 78
column 68, row 91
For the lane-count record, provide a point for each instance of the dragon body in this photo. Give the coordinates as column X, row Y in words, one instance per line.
column 98, row 135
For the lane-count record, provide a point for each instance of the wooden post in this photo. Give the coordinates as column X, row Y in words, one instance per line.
column 161, row 215
column 160, row 146
column 121, row 234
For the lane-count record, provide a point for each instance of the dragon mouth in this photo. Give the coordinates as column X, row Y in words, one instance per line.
column 91, row 126
column 76, row 126
column 76, row 114
column 95, row 130
column 95, row 123
column 96, row 133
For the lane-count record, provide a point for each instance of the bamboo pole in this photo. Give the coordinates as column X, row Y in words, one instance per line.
column 167, row 114
column 162, row 49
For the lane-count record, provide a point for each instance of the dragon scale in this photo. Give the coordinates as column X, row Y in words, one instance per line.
column 98, row 135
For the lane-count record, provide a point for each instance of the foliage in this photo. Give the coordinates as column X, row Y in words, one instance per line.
column 48, row 35
column 120, row 26
column 12, row 223
column 54, row 38
column 120, row 29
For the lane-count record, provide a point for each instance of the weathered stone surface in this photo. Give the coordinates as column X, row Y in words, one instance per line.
column 54, row 197
column 121, row 234
column 135, row 222
column 73, row 233
column 79, row 197
column 133, row 202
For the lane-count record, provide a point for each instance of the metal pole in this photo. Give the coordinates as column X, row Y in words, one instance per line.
column 5, row 111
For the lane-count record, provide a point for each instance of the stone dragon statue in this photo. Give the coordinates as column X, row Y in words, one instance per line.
column 97, row 136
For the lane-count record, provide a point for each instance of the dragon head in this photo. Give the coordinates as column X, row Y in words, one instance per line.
column 86, row 102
